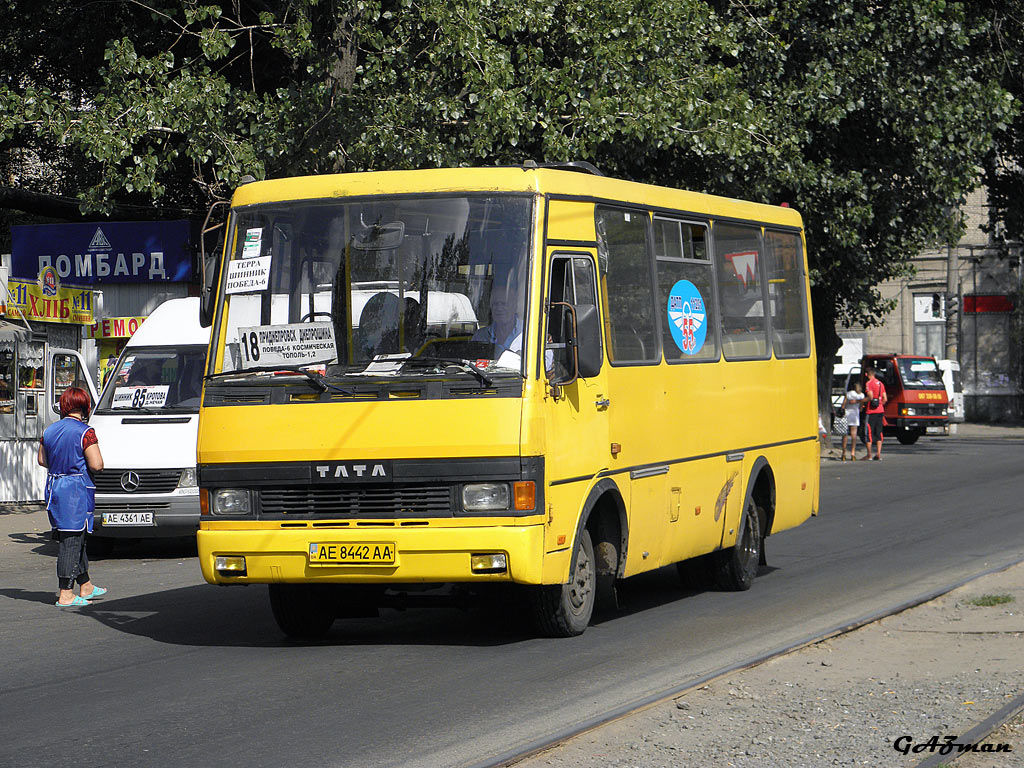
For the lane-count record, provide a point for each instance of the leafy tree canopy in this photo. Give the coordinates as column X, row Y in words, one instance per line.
column 871, row 118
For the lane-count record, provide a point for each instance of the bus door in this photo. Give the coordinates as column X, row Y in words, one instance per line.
column 639, row 398
column 577, row 413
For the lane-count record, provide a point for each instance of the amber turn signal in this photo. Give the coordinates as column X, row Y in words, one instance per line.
column 525, row 495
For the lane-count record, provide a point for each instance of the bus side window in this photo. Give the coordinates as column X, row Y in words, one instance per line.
column 785, row 266
column 744, row 326
column 622, row 245
column 685, row 291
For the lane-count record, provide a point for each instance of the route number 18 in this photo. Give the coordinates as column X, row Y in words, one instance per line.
column 250, row 346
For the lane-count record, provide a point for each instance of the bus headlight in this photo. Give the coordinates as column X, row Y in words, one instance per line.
column 230, row 501
column 188, row 478
column 481, row 497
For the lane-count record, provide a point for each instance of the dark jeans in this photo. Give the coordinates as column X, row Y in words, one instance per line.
column 72, row 562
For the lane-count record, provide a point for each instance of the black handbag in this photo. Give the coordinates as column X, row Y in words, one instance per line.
column 873, row 404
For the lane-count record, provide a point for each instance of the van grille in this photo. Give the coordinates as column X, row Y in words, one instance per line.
column 150, row 480
column 359, row 501
column 139, row 507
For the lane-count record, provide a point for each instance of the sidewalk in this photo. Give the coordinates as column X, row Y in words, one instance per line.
column 1003, row 429
column 965, row 430
column 935, row 670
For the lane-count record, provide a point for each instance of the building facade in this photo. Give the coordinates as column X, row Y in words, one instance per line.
column 960, row 304
column 83, row 288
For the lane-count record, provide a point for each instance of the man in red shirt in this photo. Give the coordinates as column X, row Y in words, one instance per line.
column 875, row 400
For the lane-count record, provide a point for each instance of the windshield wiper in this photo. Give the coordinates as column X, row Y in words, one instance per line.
column 313, row 377
column 483, row 377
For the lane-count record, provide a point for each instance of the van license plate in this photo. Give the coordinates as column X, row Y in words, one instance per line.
column 935, row 430
column 127, row 518
column 352, row 553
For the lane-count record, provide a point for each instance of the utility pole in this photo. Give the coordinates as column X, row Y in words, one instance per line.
column 952, row 302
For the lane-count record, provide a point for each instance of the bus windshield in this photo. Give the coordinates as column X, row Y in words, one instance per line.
column 379, row 281
column 920, row 373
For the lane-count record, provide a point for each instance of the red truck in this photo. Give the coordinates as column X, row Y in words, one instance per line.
column 918, row 403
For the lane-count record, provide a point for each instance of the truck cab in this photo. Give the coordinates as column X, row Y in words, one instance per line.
column 917, row 401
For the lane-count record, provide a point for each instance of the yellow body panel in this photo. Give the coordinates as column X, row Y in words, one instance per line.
column 388, row 429
column 707, row 424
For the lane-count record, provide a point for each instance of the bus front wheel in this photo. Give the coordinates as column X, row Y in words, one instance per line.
column 735, row 568
column 302, row 611
column 564, row 610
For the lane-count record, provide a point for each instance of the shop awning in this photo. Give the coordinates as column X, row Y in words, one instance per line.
column 11, row 332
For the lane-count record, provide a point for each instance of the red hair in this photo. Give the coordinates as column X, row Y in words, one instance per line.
column 74, row 399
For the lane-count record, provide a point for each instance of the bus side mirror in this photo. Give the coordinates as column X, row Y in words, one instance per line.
column 588, row 341
column 208, row 298
column 210, row 264
column 577, row 351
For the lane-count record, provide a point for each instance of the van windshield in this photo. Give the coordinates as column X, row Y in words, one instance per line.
column 920, row 373
column 155, row 380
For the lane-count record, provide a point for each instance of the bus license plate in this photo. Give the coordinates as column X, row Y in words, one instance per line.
column 127, row 518
column 934, row 430
column 352, row 553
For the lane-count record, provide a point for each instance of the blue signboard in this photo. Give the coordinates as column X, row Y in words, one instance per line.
column 106, row 252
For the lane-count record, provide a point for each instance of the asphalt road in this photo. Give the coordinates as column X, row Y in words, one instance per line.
column 169, row 671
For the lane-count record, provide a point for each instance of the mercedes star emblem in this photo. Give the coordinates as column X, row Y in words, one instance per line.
column 130, row 481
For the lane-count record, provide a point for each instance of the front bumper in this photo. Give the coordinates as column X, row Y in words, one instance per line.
column 428, row 553
column 923, row 425
column 174, row 514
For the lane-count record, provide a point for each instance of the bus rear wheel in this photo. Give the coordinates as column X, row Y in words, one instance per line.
column 734, row 569
column 564, row 610
column 302, row 611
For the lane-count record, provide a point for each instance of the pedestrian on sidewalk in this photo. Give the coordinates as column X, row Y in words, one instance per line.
column 69, row 450
column 852, row 405
column 875, row 399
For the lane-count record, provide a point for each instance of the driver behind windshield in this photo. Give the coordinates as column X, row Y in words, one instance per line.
column 506, row 328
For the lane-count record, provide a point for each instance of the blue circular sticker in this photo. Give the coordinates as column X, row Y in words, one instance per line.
column 687, row 317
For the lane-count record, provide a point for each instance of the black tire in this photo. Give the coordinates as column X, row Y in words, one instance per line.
column 734, row 569
column 908, row 436
column 303, row 611
column 564, row 610
column 99, row 546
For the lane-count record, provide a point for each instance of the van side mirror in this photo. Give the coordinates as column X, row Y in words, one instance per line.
column 588, row 341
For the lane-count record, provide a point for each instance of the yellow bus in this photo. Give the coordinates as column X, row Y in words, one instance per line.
column 533, row 375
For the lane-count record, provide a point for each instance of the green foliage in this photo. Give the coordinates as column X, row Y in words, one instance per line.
column 870, row 118
column 881, row 114
column 987, row 601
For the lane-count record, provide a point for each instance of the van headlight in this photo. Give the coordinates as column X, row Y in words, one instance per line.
column 188, row 478
column 485, row 497
column 230, row 501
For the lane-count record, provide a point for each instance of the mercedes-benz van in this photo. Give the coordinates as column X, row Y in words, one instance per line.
column 147, row 420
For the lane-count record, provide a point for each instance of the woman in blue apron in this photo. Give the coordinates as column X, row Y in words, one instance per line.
column 69, row 450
